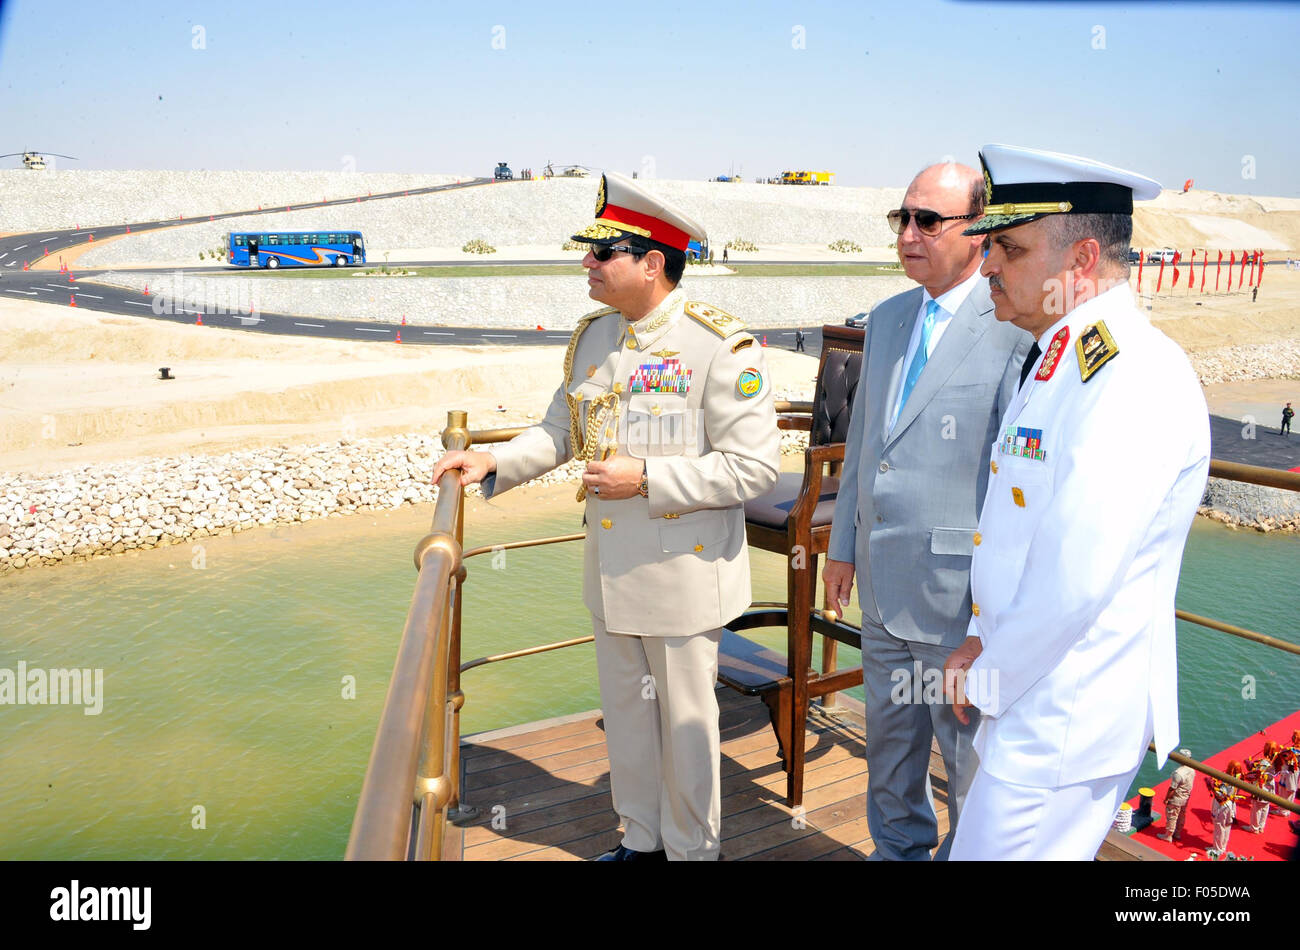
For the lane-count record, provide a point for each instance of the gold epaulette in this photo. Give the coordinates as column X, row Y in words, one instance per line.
column 719, row 321
column 1095, row 348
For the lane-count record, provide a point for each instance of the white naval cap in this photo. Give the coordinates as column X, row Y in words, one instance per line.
column 626, row 211
column 1025, row 184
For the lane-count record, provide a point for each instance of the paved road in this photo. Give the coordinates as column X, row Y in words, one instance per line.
column 18, row 248
column 1267, row 447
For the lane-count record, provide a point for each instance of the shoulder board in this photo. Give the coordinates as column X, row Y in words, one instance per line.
column 719, row 321
column 596, row 313
column 1095, row 348
column 584, row 321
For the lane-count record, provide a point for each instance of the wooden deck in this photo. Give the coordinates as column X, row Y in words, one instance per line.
column 547, row 787
column 549, row 784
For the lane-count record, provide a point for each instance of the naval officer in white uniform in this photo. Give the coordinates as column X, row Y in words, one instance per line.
column 669, row 402
column 1094, row 480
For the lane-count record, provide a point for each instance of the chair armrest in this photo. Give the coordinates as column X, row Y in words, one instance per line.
column 794, row 422
column 815, row 458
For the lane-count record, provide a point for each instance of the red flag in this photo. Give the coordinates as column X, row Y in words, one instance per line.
column 1161, row 278
column 1205, row 265
column 1191, row 271
column 1259, row 278
column 1218, row 270
column 1241, row 277
column 1177, row 257
column 1252, row 270
column 1141, row 257
column 1232, row 262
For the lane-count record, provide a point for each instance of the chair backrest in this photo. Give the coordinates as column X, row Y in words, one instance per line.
column 837, row 384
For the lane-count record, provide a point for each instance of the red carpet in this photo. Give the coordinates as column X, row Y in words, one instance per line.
column 1275, row 844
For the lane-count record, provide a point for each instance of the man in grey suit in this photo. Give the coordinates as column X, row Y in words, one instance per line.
column 938, row 370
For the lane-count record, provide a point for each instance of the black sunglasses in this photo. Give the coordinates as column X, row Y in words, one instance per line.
column 928, row 222
column 605, row 252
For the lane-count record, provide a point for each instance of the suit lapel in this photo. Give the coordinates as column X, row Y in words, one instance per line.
column 963, row 333
column 888, row 350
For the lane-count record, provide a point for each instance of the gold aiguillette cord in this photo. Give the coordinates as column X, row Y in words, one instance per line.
column 598, row 416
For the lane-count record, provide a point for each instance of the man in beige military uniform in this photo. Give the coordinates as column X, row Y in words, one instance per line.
column 670, row 403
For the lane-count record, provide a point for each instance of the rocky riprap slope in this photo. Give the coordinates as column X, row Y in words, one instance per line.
column 112, row 508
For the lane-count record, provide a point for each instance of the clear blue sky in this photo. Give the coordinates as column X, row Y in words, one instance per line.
column 677, row 90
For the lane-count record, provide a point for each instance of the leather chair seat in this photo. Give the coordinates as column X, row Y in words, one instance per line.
column 773, row 509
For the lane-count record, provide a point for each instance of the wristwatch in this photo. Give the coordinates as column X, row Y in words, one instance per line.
column 643, row 487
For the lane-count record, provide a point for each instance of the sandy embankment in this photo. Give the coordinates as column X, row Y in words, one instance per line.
column 78, row 387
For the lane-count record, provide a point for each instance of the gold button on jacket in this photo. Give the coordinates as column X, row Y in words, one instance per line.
column 675, row 563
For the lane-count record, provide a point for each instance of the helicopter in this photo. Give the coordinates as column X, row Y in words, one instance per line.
column 35, row 160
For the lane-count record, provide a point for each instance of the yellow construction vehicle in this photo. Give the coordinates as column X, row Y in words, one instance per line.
column 807, row 178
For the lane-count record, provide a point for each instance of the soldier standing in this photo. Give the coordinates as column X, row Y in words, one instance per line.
column 669, row 402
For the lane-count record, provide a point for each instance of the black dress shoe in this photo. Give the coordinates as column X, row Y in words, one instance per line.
column 627, row 854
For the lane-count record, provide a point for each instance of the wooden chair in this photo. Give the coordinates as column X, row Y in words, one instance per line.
column 794, row 520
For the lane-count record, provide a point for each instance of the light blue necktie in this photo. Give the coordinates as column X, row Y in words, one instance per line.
column 920, row 358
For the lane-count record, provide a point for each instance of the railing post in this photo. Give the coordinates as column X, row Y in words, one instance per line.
column 457, row 430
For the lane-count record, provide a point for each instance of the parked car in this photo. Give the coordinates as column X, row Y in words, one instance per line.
column 1166, row 255
column 1134, row 255
column 857, row 321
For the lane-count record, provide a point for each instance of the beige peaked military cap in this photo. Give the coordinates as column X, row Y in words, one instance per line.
column 626, row 211
column 1025, row 184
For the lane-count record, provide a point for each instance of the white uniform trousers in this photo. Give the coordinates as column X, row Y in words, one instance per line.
column 661, row 729
column 1002, row 821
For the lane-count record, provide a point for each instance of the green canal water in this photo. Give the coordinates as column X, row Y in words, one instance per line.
column 243, row 680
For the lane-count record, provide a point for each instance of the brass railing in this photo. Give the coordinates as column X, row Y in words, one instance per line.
column 413, row 775
column 410, row 780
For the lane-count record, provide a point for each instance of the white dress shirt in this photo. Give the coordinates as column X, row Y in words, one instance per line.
column 949, row 303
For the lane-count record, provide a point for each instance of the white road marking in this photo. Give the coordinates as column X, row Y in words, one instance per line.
column 438, row 333
column 317, row 325
column 11, row 264
column 369, row 330
column 91, row 296
column 20, row 247
column 4, row 255
column 42, row 290
column 136, row 303
column 52, row 287
column 29, row 293
column 499, row 336
column 55, row 238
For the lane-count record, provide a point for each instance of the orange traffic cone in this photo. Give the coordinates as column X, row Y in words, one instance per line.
column 72, row 300
column 70, row 277
column 91, row 238
column 539, row 326
column 27, row 265
column 47, row 251
column 765, row 339
column 399, row 336
column 146, row 290
column 287, row 208
column 198, row 322
column 128, row 229
column 210, row 218
column 403, row 319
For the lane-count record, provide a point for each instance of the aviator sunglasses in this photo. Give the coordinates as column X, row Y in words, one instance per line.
column 604, row 253
column 928, row 222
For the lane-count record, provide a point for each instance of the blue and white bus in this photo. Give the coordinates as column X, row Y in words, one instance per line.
column 295, row 248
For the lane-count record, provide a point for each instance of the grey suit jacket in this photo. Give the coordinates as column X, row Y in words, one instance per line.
column 910, row 498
